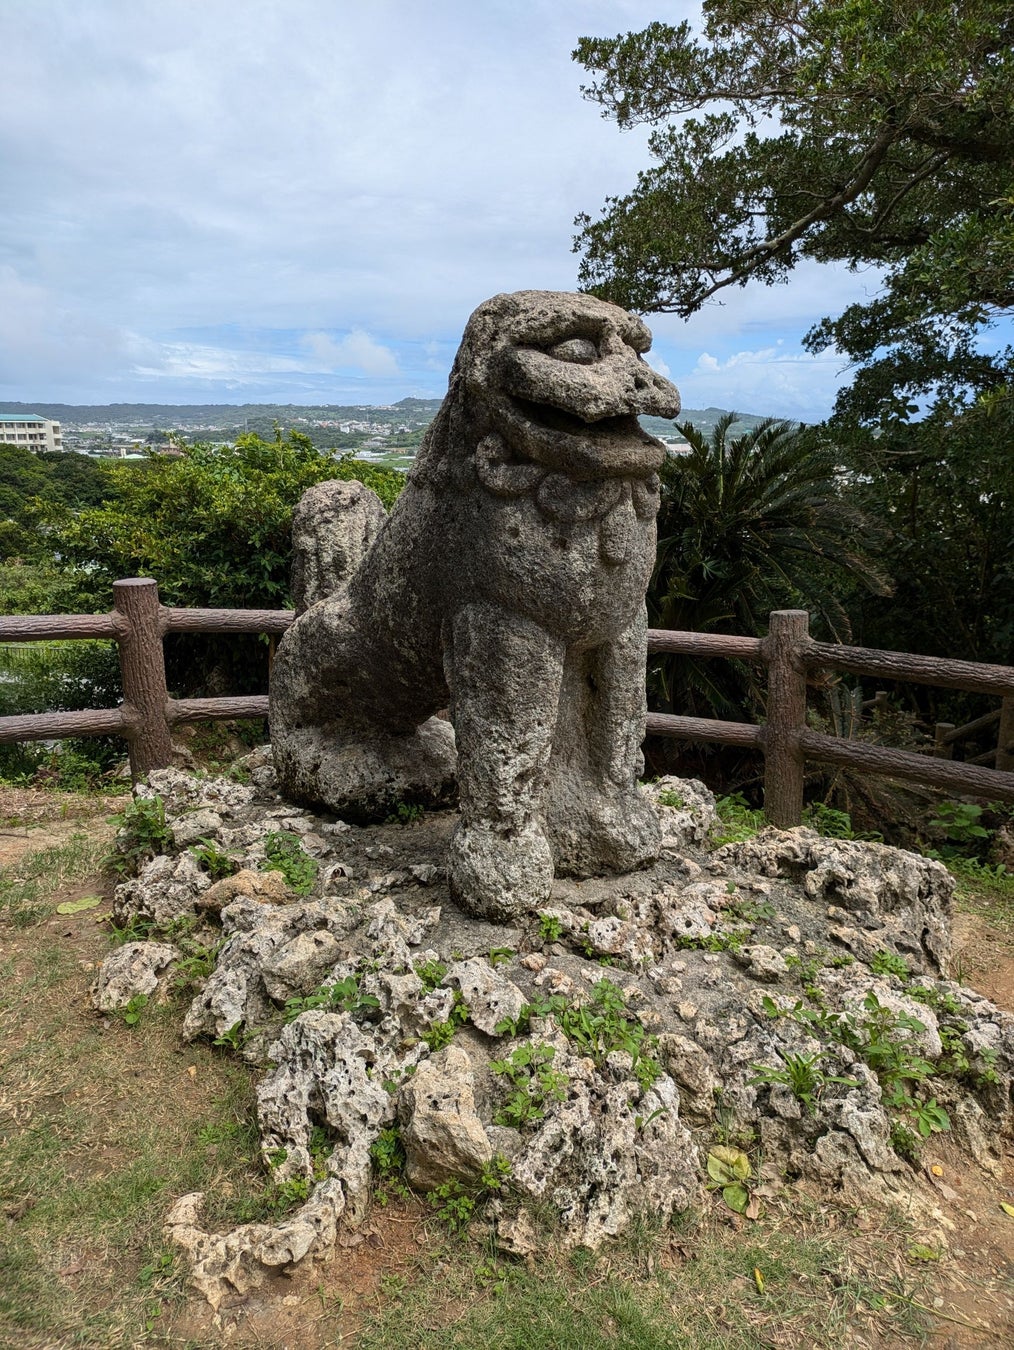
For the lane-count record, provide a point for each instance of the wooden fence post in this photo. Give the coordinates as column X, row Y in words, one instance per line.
column 783, row 759
column 142, row 665
column 1005, row 736
column 942, row 748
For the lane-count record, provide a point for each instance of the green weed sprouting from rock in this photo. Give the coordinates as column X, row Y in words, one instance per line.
column 440, row 1034
column 597, row 1027
column 283, row 852
column 143, row 833
column 132, row 1011
column 214, row 860
column 889, row 963
column 342, row 995
column 432, row 974
column 387, row 1153
column 801, row 1074
column 550, row 928
column 456, row 1204
column 405, row 813
column 534, row 1084
column 669, row 798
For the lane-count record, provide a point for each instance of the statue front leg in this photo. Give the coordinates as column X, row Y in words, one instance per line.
column 504, row 673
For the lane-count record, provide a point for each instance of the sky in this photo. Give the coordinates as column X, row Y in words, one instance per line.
column 301, row 201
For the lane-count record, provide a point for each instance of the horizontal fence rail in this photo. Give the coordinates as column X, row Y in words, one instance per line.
column 138, row 623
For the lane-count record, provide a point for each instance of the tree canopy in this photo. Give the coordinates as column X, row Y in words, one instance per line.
column 865, row 132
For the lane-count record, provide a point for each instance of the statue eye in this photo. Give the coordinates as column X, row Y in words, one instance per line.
column 582, row 351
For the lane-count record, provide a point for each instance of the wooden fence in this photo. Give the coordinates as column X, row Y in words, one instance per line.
column 145, row 718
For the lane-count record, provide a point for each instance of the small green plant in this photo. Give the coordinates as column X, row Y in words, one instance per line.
column 669, row 798
column 388, row 1155
column 214, row 860
column 802, row 1075
column 136, row 929
column 737, row 820
column 143, row 833
column 132, row 1011
column 889, row 963
column 835, row 824
column 729, row 1171
column 453, row 1204
column 534, row 1084
column 500, row 955
column 232, row 1039
column 550, row 928
column 432, row 974
column 602, row 1025
column 496, row 1173
column 342, row 995
column 320, row 1148
column 286, row 1195
column 959, row 822
column 283, row 852
column 440, row 1034
column 405, row 813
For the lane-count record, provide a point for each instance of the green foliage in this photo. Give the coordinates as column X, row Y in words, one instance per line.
column 876, row 136
column 738, row 821
column 603, row 1025
column 802, row 1075
column 342, row 995
column 669, row 798
column 890, row 963
column 550, row 928
column 454, row 1206
column 959, row 822
column 143, row 832
column 729, row 1171
column 440, row 1034
column 133, row 1010
column 432, row 974
column 283, row 852
column 212, row 524
column 406, row 813
column 748, row 524
column 214, row 860
column 866, row 133
column 232, row 1039
column 533, row 1081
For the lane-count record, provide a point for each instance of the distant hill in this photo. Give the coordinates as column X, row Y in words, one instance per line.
column 414, row 412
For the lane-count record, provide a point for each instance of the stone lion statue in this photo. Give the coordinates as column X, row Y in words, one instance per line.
column 507, row 584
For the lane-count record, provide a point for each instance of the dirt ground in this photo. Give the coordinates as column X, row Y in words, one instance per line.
column 969, row 1285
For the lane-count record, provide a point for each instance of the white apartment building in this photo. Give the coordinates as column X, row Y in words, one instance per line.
column 34, row 433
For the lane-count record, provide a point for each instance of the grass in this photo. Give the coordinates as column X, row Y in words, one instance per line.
column 26, row 886
column 694, row 1287
column 102, row 1126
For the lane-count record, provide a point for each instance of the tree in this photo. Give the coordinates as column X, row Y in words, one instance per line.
column 749, row 524
column 212, row 525
column 865, row 132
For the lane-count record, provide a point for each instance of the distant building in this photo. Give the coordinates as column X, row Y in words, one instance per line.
column 34, row 433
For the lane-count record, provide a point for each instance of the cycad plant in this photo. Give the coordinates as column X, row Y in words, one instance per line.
column 748, row 524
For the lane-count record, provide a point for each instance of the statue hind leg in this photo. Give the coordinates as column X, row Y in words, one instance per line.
column 596, row 817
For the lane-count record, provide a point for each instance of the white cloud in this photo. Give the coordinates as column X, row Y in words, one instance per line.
column 358, row 352
column 776, row 381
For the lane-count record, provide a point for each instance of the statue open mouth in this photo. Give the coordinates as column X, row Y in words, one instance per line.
column 609, row 447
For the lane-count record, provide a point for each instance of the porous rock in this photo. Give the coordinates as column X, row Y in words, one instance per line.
column 133, row 970
column 900, row 899
column 269, row 887
column 442, row 1133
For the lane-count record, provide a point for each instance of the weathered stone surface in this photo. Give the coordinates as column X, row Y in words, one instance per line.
column 688, row 824
column 729, row 967
column 166, row 888
column 509, row 579
column 441, row 1131
column 888, row 890
column 333, row 528
column 269, row 887
column 134, row 969
column 204, row 823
